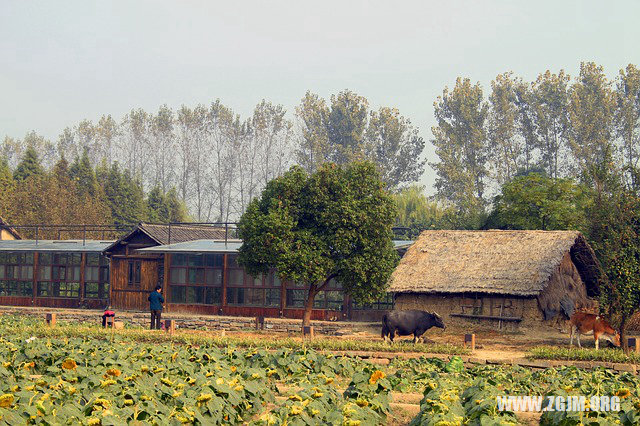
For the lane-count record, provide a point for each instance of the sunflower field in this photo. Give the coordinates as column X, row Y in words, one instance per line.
column 52, row 380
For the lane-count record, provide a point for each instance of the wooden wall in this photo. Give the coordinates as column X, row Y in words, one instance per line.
column 126, row 297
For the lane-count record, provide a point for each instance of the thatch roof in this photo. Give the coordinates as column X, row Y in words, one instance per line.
column 4, row 225
column 495, row 262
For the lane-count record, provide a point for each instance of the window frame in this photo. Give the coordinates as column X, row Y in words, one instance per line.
column 208, row 263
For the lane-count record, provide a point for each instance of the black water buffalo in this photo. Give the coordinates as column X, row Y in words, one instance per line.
column 406, row 323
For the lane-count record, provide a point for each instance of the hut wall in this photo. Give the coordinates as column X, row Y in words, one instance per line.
column 477, row 305
column 565, row 283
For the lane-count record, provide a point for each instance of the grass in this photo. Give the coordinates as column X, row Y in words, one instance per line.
column 199, row 338
column 578, row 354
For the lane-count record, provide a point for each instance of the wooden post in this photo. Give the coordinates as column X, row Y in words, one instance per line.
column 223, row 302
column 51, row 319
column 83, row 264
column 165, row 284
column 307, row 331
column 634, row 344
column 260, row 323
column 170, row 326
column 35, row 277
column 470, row 339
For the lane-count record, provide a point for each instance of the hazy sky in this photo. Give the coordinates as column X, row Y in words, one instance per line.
column 64, row 61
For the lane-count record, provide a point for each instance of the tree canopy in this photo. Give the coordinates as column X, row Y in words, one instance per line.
column 332, row 224
column 535, row 201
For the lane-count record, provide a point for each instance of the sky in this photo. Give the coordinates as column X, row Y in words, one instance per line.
column 65, row 61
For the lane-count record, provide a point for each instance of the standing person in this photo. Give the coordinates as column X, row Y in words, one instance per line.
column 155, row 306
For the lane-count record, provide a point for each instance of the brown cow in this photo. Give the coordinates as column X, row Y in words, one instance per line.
column 586, row 323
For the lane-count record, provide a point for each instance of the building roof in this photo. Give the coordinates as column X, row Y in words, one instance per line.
column 169, row 234
column 163, row 234
column 197, row 246
column 4, row 225
column 88, row 246
column 219, row 246
column 495, row 262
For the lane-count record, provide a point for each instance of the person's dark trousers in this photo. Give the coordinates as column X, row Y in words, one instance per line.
column 155, row 319
column 104, row 320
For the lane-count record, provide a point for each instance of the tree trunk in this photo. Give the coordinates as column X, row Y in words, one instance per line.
column 314, row 289
column 623, row 334
column 308, row 307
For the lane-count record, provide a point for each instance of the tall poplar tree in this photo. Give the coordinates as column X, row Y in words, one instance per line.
column 461, row 145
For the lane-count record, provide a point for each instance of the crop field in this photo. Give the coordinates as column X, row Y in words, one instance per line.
column 61, row 376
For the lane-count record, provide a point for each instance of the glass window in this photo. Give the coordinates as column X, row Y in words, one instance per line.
column 196, row 276
column 214, row 260
column 196, row 260
column 232, row 261
column 213, row 276
column 274, row 280
column 44, row 272
column 178, row 275
column 93, row 259
column 335, row 300
column 44, row 259
column 134, row 273
column 178, row 294
column 272, row 297
column 91, row 290
column 296, row 298
column 320, row 301
column 43, row 289
column 179, row 259
column 236, row 296
column 91, row 273
column 236, row 277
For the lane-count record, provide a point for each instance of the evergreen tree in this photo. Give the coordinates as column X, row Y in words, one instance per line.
column 177, row 208
column 29, row 165
column 157, row 207
column 83, row 175
column 125, row 197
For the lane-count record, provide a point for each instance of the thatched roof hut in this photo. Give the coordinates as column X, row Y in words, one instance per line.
column 558, row 268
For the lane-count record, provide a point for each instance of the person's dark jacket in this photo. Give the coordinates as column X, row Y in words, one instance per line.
column 156, row 300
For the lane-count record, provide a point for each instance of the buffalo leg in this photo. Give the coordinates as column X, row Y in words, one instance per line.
column 597, row 338
column 579, row 345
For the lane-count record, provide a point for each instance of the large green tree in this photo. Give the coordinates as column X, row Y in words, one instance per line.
column 535, row 201
column 332, row 224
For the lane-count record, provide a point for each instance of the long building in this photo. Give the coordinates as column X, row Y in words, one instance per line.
column 196, row 266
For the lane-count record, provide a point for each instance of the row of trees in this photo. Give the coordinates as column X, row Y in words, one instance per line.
column 561, row 127
column 78, row 193
column 218, row 162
